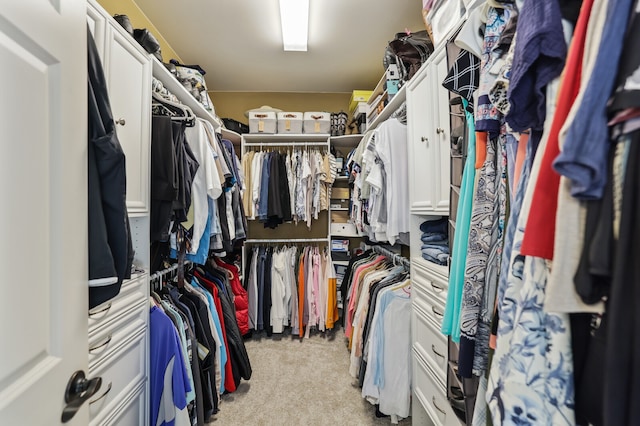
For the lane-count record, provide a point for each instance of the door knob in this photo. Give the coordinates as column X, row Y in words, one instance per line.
column 121, row 122
column 79, row 389
column 424, row 139
column 439, row 130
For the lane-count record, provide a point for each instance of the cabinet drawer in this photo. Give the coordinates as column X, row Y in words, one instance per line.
column 131, row 291
column 431, row 394
column 428, row 340
column 122, row 369
column 103, row 342
column 131, row 411
column 434, row 308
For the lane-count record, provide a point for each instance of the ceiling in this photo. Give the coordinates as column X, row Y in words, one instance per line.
column 238, row 42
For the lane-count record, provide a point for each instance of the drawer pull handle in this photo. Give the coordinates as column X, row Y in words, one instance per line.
column 433, row 400
column 121, row 122
column 93, row 313
column 103, row 395
column 439, row 130
column 438, row 313
column 105, row 343
column 437, row 288
column 433, row 348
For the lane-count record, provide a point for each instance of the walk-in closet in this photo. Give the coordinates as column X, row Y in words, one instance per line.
column 313, row 212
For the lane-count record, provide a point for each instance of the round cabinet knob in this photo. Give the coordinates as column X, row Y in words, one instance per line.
column 424, row 139
column 439, row 130
column 121, row 122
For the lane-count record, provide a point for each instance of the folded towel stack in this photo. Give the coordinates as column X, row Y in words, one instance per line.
column 435, row 241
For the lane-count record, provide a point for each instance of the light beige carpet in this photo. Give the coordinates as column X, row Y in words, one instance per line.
column 298, row 383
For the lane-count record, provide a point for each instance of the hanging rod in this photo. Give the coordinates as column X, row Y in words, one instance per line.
column 290, row 240
column 262, row 144
column 393, row 256
column 162, row 273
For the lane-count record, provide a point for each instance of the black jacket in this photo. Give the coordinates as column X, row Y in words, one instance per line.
column 110, row 246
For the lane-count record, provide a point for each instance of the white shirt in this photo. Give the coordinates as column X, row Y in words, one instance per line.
column 206, row 182
column 392, row 149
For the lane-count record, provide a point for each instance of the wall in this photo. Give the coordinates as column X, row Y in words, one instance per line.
column 234, row 104
column 139, row 20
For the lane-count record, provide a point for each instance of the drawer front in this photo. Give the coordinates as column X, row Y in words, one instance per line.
column 131, row 412
column 429, row 342
column 438, row 275
column 109, row 312
column 431, row 394
column 121, row 370
column 115, row 334
column 432, row 306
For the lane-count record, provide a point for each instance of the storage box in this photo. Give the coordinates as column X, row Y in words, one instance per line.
column 344, row 229
column 340, row 245
column 290, row 122
column 262, row 122
column 359, row 96
column 340, row 193
column 393, row 87
column 317, row 122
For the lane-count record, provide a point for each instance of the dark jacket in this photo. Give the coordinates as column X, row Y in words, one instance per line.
column 110, row 246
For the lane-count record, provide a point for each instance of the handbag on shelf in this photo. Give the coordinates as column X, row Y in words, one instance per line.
column 409, row 51
column 148, row 42
column 124, row 22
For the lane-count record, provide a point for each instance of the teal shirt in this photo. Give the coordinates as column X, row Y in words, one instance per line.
column 451, row 320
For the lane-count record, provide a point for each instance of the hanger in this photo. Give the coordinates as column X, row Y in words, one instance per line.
column 187, row 114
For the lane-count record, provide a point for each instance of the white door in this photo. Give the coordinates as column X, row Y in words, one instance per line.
column 443, row 134
column 128, row 73
column 420, row 121
column 43, row 217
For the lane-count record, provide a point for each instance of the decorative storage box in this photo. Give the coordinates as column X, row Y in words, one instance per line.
column 262, row 122
column 317, row 122
column 290, row 122
column 359, row 96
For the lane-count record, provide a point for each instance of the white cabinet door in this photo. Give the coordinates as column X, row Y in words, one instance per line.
column 43, row 223
column 422, row 163
column 443, row 133
column 129, row 80
column 97, row 25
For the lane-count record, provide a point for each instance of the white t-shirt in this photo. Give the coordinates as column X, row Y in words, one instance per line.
column 392, row 149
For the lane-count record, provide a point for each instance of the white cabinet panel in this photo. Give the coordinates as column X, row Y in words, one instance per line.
column 431, row 394
column 443, row 135
column 429, row 134
column 97, row 25
column 128, row 75
column 122, row 369
column 422, row 163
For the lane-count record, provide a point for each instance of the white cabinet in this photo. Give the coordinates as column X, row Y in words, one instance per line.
column 128, row 73
column 429, row 133
column 118, row 329
column 429, row 287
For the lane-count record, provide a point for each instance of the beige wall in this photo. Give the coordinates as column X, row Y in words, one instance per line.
column 234, row 104
column 139, row 20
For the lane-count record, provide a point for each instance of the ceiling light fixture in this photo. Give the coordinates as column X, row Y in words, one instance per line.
column 294, row 18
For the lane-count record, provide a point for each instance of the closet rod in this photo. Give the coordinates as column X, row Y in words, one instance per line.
column 162, row 273
column 393, row 256
column 290, row 240
column 267, row 144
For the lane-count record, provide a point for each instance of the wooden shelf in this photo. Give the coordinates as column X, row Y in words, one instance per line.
column 234, row 137
column 303, row 137
column 346, row 141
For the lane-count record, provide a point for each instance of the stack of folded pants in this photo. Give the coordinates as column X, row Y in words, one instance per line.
column 435, row 241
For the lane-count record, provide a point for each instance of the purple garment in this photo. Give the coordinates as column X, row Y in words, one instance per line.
column 539, row 57
column 584, row 155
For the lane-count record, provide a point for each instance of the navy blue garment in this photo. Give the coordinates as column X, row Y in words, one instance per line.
column 538, row 58
column 439, row 226
column 110, row 246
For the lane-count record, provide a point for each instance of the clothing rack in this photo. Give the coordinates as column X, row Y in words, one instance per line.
column 156, row 278
column 285, row 144
column 396, row 258
column 290, row 240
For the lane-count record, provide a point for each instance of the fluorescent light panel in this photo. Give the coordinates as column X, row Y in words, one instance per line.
column 294, row 17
